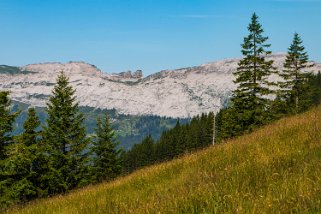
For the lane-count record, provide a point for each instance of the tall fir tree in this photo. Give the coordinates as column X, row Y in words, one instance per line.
column 65, row 138
column 106, row 161
column 249, row 101
column 7, row 119
column 294, row 85
column 21, row 163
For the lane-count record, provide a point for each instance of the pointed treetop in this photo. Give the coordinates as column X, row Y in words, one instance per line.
column 31, row 121
column 254, row 17
column 296, row 46
column 30, row 134
column 255, row 26
column 297, row 57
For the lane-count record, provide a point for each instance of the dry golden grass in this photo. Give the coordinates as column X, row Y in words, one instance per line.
column 276, row 169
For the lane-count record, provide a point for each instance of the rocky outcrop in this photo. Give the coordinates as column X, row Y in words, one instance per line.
column 130, row 75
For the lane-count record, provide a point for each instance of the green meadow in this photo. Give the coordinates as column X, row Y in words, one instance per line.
column 276, row 169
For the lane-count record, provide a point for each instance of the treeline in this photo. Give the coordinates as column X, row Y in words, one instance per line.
column 57, row 157
column 256, row 101
column 179, row 140
column 199, row 132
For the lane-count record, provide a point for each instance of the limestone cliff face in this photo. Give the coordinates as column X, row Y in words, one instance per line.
column 175, row 93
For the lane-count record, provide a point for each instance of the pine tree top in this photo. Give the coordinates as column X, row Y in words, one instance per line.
column 30, row 134
column 297, row 57
column 254, row 43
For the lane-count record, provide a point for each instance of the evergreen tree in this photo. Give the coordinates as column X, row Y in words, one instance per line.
column 315, row 84
column 65, row 139
column 106, row 161
column 30, row 136
column 249, row 101
column 224, row 123
column 7, row 119
column 43, row 167
column 279, row 107
column 294, row 85
column 209, row 128
column 147, row 155
column 20, row 163
column 181, row 136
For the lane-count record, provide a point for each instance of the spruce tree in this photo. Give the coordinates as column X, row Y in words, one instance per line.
column 295, row 78
column 7, row 119
column 30, row 136
column 65, row 138
column 147, row 151
column 21, row 163
column 249, row 101
column 106, row 160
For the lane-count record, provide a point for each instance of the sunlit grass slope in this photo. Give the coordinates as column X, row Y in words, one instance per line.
column 277, row 169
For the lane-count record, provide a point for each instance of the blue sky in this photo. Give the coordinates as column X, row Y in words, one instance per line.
column 119, row 35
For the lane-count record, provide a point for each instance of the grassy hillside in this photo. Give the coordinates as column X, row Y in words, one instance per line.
column 277, row 169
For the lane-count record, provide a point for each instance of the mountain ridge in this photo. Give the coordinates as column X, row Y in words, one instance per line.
column 183, row 92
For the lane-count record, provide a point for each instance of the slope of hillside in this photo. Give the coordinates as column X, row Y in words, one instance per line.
column 276, row 169
column 183, row 92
